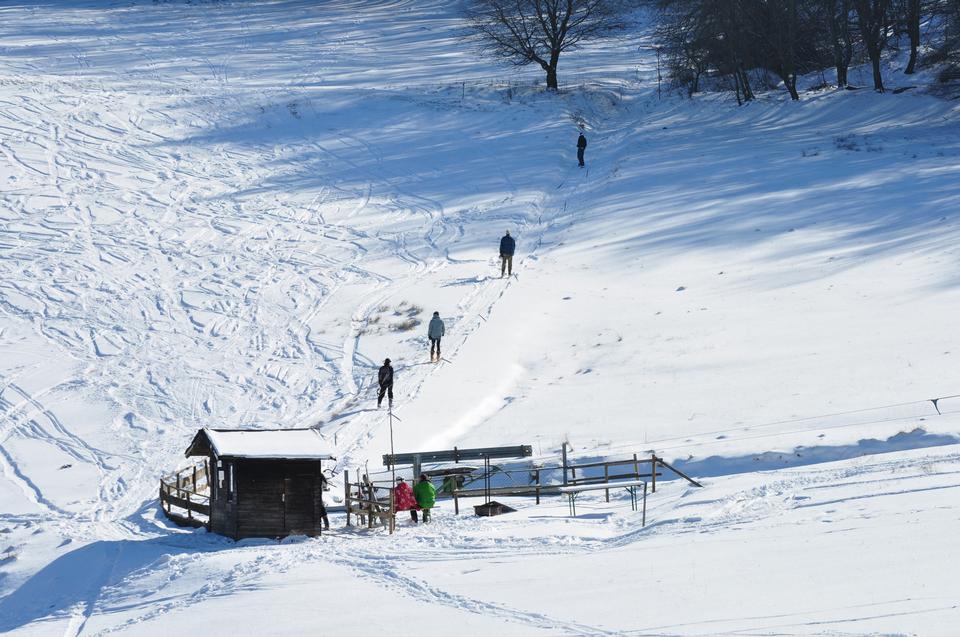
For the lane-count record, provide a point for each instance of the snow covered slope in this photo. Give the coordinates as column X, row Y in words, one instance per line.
column 228, row 214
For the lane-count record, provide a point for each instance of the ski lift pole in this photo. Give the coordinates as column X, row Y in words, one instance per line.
column 659, row 75
column 393, row 465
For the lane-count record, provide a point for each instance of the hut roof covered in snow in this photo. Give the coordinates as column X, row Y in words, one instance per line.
column 294, row 444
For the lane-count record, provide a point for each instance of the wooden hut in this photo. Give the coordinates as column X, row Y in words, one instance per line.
column 264, row 483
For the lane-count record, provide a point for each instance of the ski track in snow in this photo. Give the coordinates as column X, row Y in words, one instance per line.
column 372, row 556
column 198, row 241
column 129, row 249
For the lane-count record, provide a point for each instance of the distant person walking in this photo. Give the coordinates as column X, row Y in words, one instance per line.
column 385, row 379
column 404, row 500
column 507, row 247
column 435, row 332
column 581, row 146
column 426, row 495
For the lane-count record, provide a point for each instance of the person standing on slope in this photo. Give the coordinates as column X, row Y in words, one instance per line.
column 435, row 332
column 581, row 146
column 385, row 379
column 426, row 495
column 507, row 247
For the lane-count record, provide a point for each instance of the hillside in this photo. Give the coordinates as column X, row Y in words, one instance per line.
column 228, row 214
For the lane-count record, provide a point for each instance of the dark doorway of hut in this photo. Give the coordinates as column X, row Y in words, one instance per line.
column 489, row 507
column 300, row 511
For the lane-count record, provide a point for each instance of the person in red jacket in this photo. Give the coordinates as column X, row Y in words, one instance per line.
column 403, row 499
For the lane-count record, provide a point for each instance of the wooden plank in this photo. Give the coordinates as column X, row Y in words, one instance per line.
column 458, row 455
column 618, row 476
column 679, row 473
column 179, row 520
column 513, row 491
column 608, row 463
column 601, row 486
column 183, row 503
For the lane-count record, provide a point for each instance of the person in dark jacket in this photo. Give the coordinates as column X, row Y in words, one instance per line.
column 385, row 378
column 435, row 332
column 581, row 146
column 507, row 247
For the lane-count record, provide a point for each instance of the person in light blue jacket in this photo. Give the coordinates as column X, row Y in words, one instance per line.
column 435, row 332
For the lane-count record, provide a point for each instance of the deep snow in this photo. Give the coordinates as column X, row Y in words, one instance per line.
column 227, row 215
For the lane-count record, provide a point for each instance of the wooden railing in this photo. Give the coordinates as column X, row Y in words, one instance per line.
column 360, row 499
column 189, row 491
column 634, row 468
column 653, row 472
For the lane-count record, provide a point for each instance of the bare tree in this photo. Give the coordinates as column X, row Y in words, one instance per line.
column 687, row 42
column 841, row 40
column 913, row 30
column 872, row 18
column 538, row 31
column 778, row 28
column 946, row 15
column 700, row 35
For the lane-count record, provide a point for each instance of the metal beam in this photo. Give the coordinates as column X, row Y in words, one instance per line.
column 457, row 455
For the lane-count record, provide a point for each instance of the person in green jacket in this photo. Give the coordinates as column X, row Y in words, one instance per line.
column 426, row 495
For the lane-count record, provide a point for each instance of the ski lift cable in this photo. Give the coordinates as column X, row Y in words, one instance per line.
column 795, row 431
column 821, row 417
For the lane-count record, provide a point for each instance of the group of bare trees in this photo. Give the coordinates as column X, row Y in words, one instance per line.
column 731, row 38
column 734, row 40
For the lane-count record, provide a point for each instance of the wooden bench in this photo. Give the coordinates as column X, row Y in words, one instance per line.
column 630, row 485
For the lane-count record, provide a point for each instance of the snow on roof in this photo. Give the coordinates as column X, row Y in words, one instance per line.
column 300, row 444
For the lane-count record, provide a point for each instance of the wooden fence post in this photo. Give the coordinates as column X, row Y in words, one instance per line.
column 370, row 496
column 653, row 473
column 606, row 478
column 537, row 478
column 393, row 510
column 643, row 521
column 346, row 492
column 563, row 452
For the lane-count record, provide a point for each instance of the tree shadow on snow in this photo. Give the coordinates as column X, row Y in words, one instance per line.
column 73, row 582
column 715, row 466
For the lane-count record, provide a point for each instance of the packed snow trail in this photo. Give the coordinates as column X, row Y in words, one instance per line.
column 227, row 252
column 193, row 237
